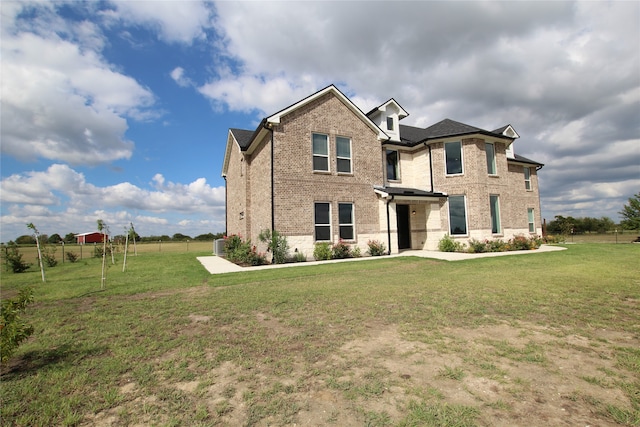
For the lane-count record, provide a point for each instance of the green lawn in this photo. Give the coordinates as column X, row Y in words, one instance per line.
column 548, row 338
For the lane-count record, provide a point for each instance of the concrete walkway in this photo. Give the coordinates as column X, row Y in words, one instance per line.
column 220, row 265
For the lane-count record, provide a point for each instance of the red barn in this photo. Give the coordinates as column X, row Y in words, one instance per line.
column 94, row 237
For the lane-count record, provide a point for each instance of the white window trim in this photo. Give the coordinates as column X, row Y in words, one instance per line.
column 531, row 219
column 353, row 221
column 466, row 216
column 495, row 160
column 461, row 158
column 499, row 232
column 343, row 158
column 322, row 225
column 527, row 181
column 328, row 155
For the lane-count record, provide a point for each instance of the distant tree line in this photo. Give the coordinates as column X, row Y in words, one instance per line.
column 571, row 225
column 70, row 238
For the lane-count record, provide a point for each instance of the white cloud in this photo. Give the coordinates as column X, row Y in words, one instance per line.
column 180, row 22
column 36, row 197
column 60, row 99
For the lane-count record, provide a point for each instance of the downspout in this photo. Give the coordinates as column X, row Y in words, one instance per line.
column 226, row 221
column 389, row 224
column 430, row 166
column 273, row 209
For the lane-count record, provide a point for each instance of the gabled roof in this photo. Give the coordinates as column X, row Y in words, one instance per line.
column 275, row 118
column 242, row 136
column 401, row 115
column 247, row 139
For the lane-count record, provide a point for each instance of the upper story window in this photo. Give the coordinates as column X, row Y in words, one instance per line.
column 453, row 157
column 527, row 178
column 389, row 123
column 490, row 150
column 343, row 154
column 393, row 172
column 320, row 152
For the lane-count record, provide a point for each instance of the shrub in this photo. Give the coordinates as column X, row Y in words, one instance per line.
column 13, row 258
column 520, row 243
column 356, row 252
column 447, row 244
column 322, row 251
column 276, row 243
column 497, row 245
column 241, row 252
column 477, row 246
column 298, row 257
column 12, row 329
column 376, row 248
column 71, row 256
column 341, row 250
column 49, row 256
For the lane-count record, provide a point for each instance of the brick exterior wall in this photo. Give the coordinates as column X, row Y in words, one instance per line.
column 476, row 184
column 236, row 193
column 297, row 187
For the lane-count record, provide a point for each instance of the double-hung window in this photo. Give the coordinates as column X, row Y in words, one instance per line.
column 494, row 202
column 532, row 223
column 320, row 152
column 527, row 178
column 490, row 150
column 393, row 174
column 345, row 217
column 322, row 219
column 453, row 157
column 457, row 215
column 343, row 154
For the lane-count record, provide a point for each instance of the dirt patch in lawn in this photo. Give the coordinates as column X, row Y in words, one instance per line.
column 498, row 375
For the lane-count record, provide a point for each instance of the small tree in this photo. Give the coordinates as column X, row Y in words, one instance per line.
column 37, row 235
column 12, row 329
column 276, row 244
column 631, row 213
column 101, row 228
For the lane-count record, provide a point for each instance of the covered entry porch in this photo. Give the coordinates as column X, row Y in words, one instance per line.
column 412, row 218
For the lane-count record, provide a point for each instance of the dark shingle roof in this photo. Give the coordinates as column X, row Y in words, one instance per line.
column 522, row 159
column 405, row 191
column 243, row 137
column 412, row 136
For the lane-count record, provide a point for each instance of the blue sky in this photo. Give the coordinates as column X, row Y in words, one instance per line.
column 120, row 110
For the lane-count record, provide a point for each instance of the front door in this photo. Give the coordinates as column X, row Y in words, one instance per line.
column 404, row 231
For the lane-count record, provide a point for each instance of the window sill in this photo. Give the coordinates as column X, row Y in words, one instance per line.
column 494, row 175
column 454, row 175
column 322, row 172
column 345, row 173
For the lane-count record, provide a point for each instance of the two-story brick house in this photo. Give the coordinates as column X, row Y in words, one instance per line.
column 323, row 170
